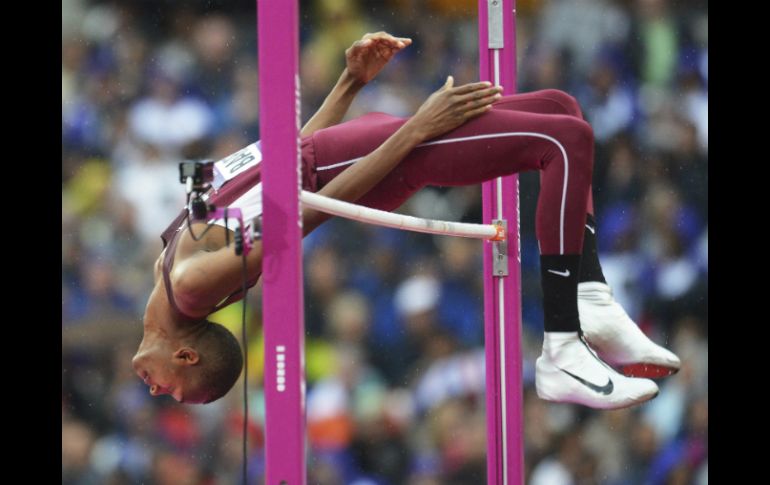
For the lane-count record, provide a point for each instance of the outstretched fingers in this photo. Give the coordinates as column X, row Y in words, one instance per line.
column 472, row 113
column 478, row 94
column 381, row 44
column 472, row 87
column 477, row 101
column 388, row 40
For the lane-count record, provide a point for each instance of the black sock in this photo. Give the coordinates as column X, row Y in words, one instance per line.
column 559, row 279
column 590, row 268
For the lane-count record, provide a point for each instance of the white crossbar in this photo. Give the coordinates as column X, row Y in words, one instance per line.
column 400, row 221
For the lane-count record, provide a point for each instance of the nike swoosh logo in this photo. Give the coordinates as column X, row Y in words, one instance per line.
column 605, row 389
column 593, row 231
column 560, row 273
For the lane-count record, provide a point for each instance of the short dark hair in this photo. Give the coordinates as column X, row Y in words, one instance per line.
column 221, row 361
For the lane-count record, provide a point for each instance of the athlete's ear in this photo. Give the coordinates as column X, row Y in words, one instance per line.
column 186, row 356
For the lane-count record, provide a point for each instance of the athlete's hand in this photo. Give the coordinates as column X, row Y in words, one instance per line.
column 366, row 57
column 450, row 107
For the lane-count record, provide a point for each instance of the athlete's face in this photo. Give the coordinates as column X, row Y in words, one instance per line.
column 167, row 375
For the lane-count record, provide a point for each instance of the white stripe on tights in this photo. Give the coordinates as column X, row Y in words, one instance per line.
column 496, row 135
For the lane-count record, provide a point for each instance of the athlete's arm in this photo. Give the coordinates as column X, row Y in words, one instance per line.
column 443, row 111
column 364, row 59
column 205, row 278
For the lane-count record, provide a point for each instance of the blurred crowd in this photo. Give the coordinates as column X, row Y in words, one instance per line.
column 395, row 361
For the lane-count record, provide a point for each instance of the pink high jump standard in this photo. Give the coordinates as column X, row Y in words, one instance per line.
column 502, row 270
column 278, row 36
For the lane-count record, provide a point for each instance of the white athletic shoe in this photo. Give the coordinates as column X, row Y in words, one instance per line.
column 569, row 371
column 617, row 339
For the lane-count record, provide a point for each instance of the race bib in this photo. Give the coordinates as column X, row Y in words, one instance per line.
column 240, row 161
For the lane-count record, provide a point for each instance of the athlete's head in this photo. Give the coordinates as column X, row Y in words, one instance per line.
column 198, row 368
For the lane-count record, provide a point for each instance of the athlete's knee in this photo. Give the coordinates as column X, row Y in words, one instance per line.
column 585, row 131
column 566, row 101
column 575, row 131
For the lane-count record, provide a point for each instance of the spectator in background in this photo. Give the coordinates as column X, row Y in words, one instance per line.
column 644, row 444
column 453, row 375
column 213, row 40
column 622, row 180
column 672, row 281
column 581, row 29
column 239, row 112
column 325, row 271
column 608, row 105
column 606, row 437
column 337, row 24
column 655, row 43
column 460, row 291
column 546, row 70
column 695, row 105
column 166, row 120
column 689, row 171
column 457, row 432
column 416, row 301
column 142, row 182
column 77, row 440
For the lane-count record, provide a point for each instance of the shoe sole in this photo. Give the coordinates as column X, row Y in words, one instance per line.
column 648, row 371
column 631, row 404
column 636, row 403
